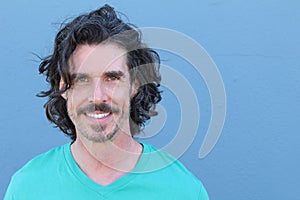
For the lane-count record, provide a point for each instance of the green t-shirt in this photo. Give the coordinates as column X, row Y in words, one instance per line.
column 55, row 175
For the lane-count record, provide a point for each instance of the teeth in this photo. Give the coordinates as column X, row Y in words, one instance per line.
column 98, row 116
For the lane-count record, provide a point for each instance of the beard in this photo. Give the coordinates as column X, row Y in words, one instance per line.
column 99, row 135
column 96, row 132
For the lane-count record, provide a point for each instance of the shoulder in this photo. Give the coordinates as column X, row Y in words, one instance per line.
column 159, row 159
column 36, row 174
column 172, row 173
column 40, row 164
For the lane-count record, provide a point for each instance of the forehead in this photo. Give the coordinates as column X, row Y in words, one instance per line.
column 97, row 59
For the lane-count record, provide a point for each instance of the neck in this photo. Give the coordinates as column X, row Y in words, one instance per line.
column 107, row 161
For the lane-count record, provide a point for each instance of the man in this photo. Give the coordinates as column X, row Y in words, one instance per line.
column 104, row 85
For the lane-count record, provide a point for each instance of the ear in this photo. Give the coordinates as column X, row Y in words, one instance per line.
column 134, row 88
column 62, row 85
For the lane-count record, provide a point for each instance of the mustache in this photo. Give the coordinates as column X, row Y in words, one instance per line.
column 103, row 107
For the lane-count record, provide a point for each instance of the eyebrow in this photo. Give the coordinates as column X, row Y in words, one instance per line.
column 114, row 73
column 106, row 74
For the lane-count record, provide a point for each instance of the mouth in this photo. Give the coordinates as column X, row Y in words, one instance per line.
column 98, row 115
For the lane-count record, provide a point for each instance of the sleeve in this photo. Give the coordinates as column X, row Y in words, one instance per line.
column 203, row 194
column 9, row 195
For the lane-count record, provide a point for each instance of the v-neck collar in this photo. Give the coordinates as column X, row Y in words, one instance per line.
column 100, row 189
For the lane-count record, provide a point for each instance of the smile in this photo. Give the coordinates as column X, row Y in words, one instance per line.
column 97, row 116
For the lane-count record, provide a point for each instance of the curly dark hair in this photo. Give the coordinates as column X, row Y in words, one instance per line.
column 99, row 26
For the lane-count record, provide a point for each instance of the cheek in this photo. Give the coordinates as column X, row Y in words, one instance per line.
column 120, row 90
column 74, row 99
column 121, row 101
column 77, row 96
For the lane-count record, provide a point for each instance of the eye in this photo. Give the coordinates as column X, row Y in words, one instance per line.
column 113, row 78
column 81, row 79
column 113, row 75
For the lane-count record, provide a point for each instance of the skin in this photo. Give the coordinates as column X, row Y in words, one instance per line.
column 104, row 148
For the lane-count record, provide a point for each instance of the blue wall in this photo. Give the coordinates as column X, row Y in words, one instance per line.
column 255, row 45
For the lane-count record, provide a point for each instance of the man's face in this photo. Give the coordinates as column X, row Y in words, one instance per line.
column 98, row 101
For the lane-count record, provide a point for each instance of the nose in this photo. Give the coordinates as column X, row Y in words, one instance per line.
column 99, row 94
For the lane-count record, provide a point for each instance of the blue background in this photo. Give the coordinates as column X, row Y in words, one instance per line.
column 255, row 45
